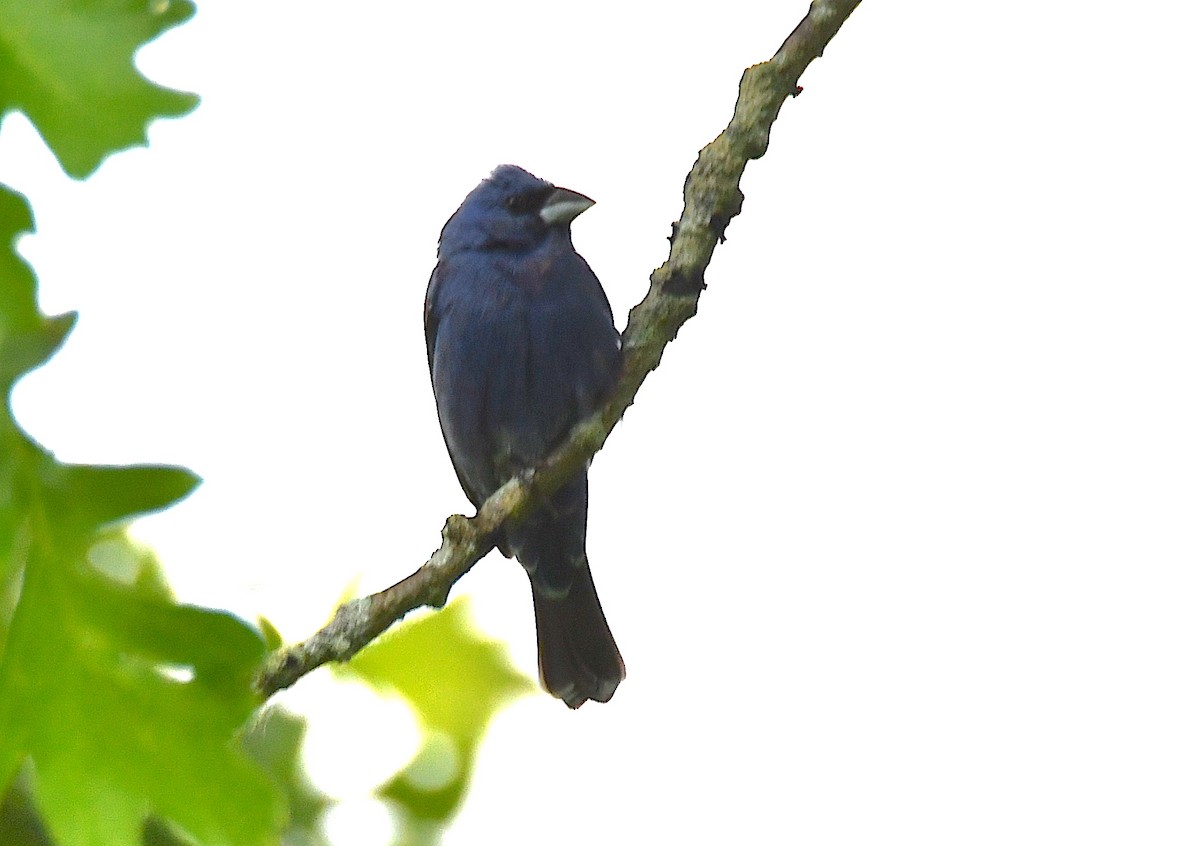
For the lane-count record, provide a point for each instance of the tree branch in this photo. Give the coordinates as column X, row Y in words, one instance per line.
column 711, row 198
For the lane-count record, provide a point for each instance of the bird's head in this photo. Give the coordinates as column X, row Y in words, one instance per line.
column 511, row 209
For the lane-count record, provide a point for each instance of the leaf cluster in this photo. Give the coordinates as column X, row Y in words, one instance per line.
column 127, row 717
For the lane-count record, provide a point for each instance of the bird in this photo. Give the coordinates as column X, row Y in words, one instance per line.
column 521, row 346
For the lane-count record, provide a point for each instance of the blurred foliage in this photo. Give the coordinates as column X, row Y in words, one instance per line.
column 127, row 718
column 123, row 701
column 456, row 681
column 68, row 65
column 20, row 824
column 274, row 741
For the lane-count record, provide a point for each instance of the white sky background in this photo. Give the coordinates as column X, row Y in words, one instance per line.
column 900, row 544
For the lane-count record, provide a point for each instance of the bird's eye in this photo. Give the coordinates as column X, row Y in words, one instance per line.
column 518, row 203
column 525, row 202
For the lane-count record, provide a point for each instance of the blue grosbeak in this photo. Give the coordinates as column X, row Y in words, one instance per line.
column 521, row 346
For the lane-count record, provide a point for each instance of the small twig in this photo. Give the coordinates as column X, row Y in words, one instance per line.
column 711, row 199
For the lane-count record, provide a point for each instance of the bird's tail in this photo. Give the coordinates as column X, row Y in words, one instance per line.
column 577, row 656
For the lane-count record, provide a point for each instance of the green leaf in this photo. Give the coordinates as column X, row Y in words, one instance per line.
column 68, row 65
column 274, row 742
column 20, row 823
column 127, row 703
column 457, row 681
column 90, row 495
column 271, row 635
column 27, row 337
column 120, row 707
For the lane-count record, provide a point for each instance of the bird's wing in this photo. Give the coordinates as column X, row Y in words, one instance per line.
column 431, row 313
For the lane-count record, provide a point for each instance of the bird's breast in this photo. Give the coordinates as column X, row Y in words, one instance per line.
column 534, row 276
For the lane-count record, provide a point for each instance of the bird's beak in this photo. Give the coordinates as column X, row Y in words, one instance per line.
column 564, row 205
